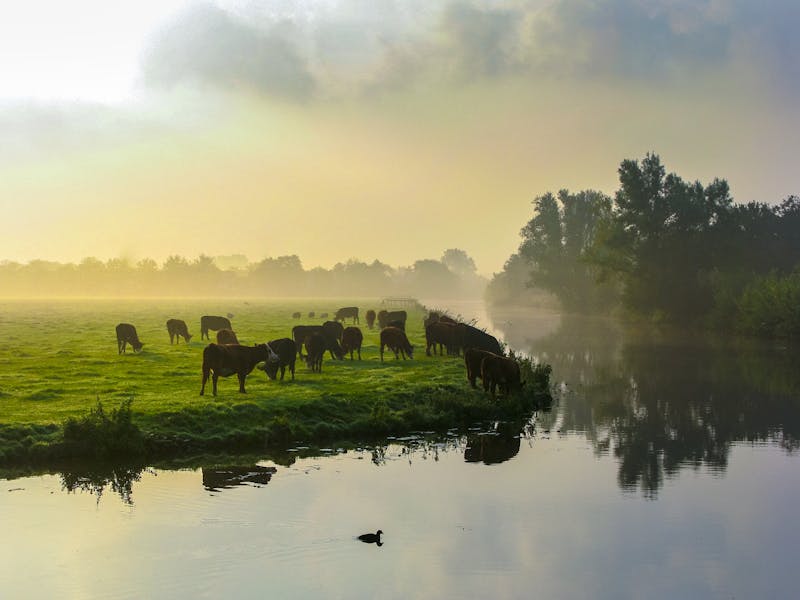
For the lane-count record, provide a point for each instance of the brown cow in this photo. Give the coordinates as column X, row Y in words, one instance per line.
column 500, row 372
column 315, row 350
column 226, row 336
column 296, row 315
column 225, row 360
column 352, row 340
column 126, row 334
column 443, row 334
column 333, row 330
column 347, row 312
column 385, row 318
column 473, row 359
column 397, row 341
column 370, row 318
column 287, row 355
column 177, row 329
column 209, row 322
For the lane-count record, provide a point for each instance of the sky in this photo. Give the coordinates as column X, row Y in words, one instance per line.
column 376, row 129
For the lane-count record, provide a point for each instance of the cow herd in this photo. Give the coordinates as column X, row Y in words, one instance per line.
column 483, row 355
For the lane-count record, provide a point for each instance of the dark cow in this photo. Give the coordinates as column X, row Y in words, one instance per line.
column 473, row 359
column 387, row 317
column 296, row 315
column 177, row 329
column 352, row 340
column 227, row 336
column 323, row 316
column 213, row 324
column 500, row 372
column 347, row 312
column 225, row 360
column 443, row 334
column 370, row 318
column 477, row 338
column 333, row 329
column 300, row 332
column 286, row 350
column 398, row 324
column 311, row 314
column 397, row 341
column 126, row 334
column 315, row 350
column 446, row 319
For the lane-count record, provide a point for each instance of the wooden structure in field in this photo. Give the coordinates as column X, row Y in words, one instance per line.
column 400, row 302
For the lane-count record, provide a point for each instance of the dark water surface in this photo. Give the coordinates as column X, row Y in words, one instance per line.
column 667, row 468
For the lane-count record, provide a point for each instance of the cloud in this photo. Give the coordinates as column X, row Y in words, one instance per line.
column 212, row 48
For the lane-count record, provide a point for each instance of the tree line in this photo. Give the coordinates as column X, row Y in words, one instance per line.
column 663, row 248
column 452, row 275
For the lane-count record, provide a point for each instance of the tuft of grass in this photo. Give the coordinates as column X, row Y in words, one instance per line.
column 102, row 435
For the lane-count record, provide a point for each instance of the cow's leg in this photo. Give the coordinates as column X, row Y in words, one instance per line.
column 214, row 379
column 381, row 352
column 205, row 379
column 283, row 370
column 241, row 382
column 359, row 353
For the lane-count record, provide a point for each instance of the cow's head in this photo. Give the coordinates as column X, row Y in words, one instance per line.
column 410, row 351
column 137, row 346
column 188, row 337
column 272, row 364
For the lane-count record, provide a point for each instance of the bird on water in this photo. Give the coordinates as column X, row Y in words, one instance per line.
column 371, row 538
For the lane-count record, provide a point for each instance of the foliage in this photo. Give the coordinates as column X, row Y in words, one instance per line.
column 770, row 306
column 98, row 434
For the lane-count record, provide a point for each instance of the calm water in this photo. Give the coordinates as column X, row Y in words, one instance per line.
column 667, row 468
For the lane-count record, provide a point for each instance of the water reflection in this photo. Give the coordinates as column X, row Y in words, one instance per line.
column 497, row 445
column 95, row 479
column 223, row 478
column 663, row 401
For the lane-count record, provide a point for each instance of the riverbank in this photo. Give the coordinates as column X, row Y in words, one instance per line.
column 65, row 392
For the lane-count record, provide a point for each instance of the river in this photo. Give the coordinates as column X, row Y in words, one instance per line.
column 666, row 468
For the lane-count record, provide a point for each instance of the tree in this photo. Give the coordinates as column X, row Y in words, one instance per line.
column 459, row 262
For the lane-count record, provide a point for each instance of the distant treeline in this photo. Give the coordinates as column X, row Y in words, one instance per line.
column 453, row 275
column 663, row 248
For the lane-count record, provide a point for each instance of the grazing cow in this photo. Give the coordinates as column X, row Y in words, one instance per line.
column 398, row 324
column 323, row 316
column 226, row 336
column 473, row 359
column 477, row 338
column 352, row 340
column 443, row 334
column 177, row 329
column 300, row 332
column 296, row 315
column 347, row 312
column 397, row 341
column 286, row 350
column 224, row 360
column 311, row 314
column 333, row 329
column 370, row 318
column 213, row 324
column 387, row 317
column 500, row 372
column 126, row 334
column 315, row 351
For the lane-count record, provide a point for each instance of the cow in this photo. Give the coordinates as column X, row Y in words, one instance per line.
column 126, row 334
column 500, row 372
column 352, row 340
column 370, row 318
column 311, row 314
column 347, row 312
column 224, row 360
column 397, row 341
column 323, row 315
column 300, row 332
column 477, row 338
column 226, row 336
column 178, row 329
column 473, row 359
column 333, row 329
column 443, row 334
column 286, row 350
column 387, row 317
column 315, row 350
column 296, row 315
column 214, row 324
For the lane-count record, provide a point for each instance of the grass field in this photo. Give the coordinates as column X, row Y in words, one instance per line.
column 59, row 358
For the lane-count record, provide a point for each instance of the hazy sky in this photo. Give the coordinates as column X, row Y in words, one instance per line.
column 374, row 129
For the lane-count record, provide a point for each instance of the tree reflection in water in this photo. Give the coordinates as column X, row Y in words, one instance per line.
column 96, row 478
column 662, row 401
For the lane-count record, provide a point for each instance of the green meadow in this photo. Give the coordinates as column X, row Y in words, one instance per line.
column 59, row 360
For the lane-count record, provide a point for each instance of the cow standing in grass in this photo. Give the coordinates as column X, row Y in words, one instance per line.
column 227, row 336
column 395, row 339
column 222, row 360
column 126, row 334
column 387, row 318
column 177, row 329
column 347, row 312
column 212, row 323
column 371, row 318
column 352, row 340
column 301, row 332
column 315, row 351
column 286, row 350
column 443, row 335
column 472, row 360
column 500, row 372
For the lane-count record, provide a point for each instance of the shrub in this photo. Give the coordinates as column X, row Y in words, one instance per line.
column 101, row 435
